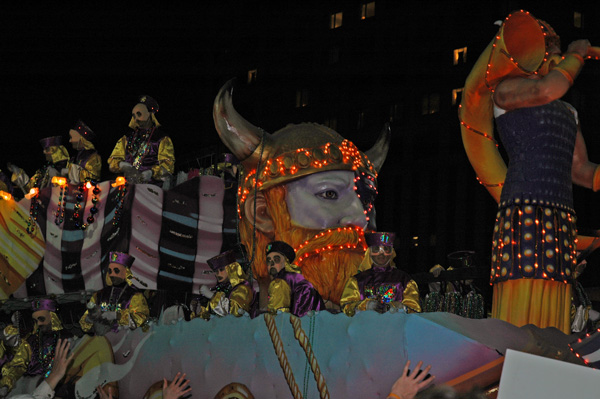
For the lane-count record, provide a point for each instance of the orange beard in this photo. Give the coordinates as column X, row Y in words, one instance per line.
column 329, row 269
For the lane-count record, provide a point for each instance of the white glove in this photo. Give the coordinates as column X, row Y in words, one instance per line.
column 222, row 308
column 3, row 391
column 19, row 177
column 205, row 291
column 124, row 166
column 147, row 175
column 75, row 174
column 371, row 305
column 109, row 315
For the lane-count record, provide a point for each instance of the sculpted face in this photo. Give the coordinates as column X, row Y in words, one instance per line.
column 75, row 139
column 381, row 255
column 275, row 263
column 42, row 320
column 221, row 275
column 143, row 118
column 116, row 273
column 325, row 200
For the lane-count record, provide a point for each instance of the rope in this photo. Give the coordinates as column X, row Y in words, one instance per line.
column 300, row 335
column 280, row 352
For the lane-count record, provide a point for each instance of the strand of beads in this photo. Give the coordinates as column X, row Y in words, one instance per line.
column 78, row 213
column 120, row 198
column 59, row 215
column 33, row 214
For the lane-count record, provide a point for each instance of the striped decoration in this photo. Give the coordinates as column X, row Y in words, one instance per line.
column 170, row 233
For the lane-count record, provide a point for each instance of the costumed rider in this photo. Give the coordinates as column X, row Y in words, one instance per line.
column 14, row 358
column 233, row 294
column 145, row 155
column 379, row 285
column 119, row 304
column 86, row 165
column 289, row 291
column 57, row 158
column 44, row 339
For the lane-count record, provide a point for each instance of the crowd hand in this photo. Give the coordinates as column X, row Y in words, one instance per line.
column 61, row 362
column 580, row 47
column 104, row 394
column 205, row 291
column 407, row 386
column 177, row 388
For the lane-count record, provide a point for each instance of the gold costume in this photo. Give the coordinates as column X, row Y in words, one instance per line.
column 135, row 315
column 166, row 157
column 14, row 369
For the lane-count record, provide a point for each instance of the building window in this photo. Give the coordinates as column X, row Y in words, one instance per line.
column 252, row 76
column 331, row 122
column 578, row 19
column 460, row 55
column 335, row 20
column 430, row 104
column 334, row 55
column 456, row 96
column 301, row 98
column 367, row 10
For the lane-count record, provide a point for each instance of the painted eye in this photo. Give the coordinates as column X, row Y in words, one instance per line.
column 328, row 194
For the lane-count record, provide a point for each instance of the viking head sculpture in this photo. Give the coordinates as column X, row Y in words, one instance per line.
column 305, row 185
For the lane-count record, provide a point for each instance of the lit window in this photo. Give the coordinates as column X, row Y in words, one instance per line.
column 301, row 98
column 367, row 10
column 335, row 20
column 430, row 104
column 578, row 19
column 252, row 76
column 456, row 96
column 460, row 54
column 331, row 122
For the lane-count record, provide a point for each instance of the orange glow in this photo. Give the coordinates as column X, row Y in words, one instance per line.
column 5, row 196
column 32, row 193
column 88, row 185
column 119, row 181
column 60, row 181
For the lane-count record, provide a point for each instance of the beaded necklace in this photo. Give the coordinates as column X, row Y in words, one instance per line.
column 77, row 207
column 138, row 145
column 120, row 198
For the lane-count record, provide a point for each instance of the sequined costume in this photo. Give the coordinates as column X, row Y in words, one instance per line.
column 533, row 249
column 14, row 357
column 145, row 149
column 237, row 290
column 291, row 292
column 381, row 284
column 129, row 304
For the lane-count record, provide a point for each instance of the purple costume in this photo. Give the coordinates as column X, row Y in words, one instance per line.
column 290, row 291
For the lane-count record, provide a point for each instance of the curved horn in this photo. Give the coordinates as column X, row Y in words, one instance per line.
column 240, row 136
column 378, row 152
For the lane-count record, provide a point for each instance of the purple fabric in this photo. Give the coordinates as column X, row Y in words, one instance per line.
column 84, row 130
column 83, row 156
column 51, row 141
column 383, row 284
column 43, row 304
column 115, row 297
column 380, row 238
column 304, row 297
column 151, row 154
column 121, row 258
column 222, row 260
